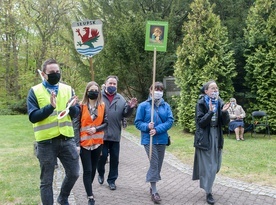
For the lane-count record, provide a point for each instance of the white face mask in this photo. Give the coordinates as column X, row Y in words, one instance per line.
column 214, row 95
column 157, row 95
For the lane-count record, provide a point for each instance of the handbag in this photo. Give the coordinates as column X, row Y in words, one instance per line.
column 169, row 141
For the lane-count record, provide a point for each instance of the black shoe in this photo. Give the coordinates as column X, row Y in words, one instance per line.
column 62, row 201
column 112, row 186
column 91, row 201
column 210, row 199
column 100, row 179
column 156, row 198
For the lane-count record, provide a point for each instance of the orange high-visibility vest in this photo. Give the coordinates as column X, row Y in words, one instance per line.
column 86, row 122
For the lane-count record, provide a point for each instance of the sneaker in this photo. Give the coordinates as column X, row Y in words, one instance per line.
column 91, row 201
column 156, row 198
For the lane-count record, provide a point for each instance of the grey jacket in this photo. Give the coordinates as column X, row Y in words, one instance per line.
column 116, row 111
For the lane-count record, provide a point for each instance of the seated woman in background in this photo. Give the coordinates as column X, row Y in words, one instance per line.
column 236, row 114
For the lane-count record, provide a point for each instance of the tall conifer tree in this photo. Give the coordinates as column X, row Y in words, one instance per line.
column 260, row 36
column 203, row 55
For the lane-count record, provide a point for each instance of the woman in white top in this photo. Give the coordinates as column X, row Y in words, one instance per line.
column 236, row 114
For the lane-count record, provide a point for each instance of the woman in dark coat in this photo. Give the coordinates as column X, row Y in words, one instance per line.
column 211, row 115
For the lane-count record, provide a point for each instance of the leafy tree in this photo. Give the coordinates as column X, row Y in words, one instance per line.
column 261, row 57
column 46, row 16
column 30, row 35
column 124, row 24
column 203, row 55
column 10, row 44
column 233, row 15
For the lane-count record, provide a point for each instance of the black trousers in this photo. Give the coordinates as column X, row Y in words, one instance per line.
column 113, row 148
column 89, row 159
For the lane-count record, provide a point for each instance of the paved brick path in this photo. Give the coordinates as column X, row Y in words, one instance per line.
column 175, row 188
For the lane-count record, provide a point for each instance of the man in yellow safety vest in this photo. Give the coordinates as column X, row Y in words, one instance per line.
column 53, row 131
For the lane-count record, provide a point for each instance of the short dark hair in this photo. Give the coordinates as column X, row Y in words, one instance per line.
column 48, row 62
column 112, row 76
column 157, row 85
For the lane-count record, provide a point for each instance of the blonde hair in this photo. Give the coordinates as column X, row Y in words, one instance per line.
column 85, row 98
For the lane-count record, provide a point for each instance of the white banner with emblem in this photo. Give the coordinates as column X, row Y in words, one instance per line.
column 88, row 37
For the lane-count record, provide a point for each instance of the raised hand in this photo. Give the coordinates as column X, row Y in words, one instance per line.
column 53, row 99
column 226, row 106
column 133, row 102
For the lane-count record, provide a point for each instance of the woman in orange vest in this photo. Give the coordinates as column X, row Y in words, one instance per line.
column 89, row 134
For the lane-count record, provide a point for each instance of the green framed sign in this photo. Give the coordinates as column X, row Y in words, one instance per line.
column 156, row 36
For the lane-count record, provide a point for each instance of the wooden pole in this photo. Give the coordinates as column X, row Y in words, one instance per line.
column 91, row 68
column 152, row 98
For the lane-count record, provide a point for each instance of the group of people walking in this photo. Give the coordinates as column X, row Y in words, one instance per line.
column 92, row 130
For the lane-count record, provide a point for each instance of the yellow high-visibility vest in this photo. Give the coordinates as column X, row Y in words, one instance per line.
column 51, row 127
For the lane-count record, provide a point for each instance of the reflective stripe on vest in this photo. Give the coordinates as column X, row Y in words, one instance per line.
column 52, row 127
column 86, row 123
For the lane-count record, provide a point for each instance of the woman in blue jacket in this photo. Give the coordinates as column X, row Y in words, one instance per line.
column 158, row 129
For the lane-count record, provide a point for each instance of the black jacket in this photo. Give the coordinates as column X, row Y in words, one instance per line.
column 203, row 118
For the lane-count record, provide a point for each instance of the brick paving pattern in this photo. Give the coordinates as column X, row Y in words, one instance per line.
column 175, row 188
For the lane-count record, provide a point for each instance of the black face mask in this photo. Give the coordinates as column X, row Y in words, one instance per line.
column 53, row 78
column 92, row 95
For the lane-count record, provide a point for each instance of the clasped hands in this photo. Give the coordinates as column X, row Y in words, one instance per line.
column 239, row 117
column 91, row 130
column 152, row 130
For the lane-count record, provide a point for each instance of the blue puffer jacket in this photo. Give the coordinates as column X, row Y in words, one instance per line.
column 162, row 118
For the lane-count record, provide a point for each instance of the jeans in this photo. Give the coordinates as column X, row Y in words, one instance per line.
column 47, row 153
column 114, row 149
column 89, row 159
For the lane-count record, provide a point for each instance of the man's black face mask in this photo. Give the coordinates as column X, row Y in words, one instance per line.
column 53, row 78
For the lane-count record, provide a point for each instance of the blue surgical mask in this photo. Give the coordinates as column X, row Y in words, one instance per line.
column 111, row 90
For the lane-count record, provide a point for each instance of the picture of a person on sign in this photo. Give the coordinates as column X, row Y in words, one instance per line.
column 157, row 34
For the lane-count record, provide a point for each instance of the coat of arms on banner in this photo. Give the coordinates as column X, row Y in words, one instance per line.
column 88, row 37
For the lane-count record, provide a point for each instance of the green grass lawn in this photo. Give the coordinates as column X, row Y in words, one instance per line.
column 252, row 160
column 19, row 168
